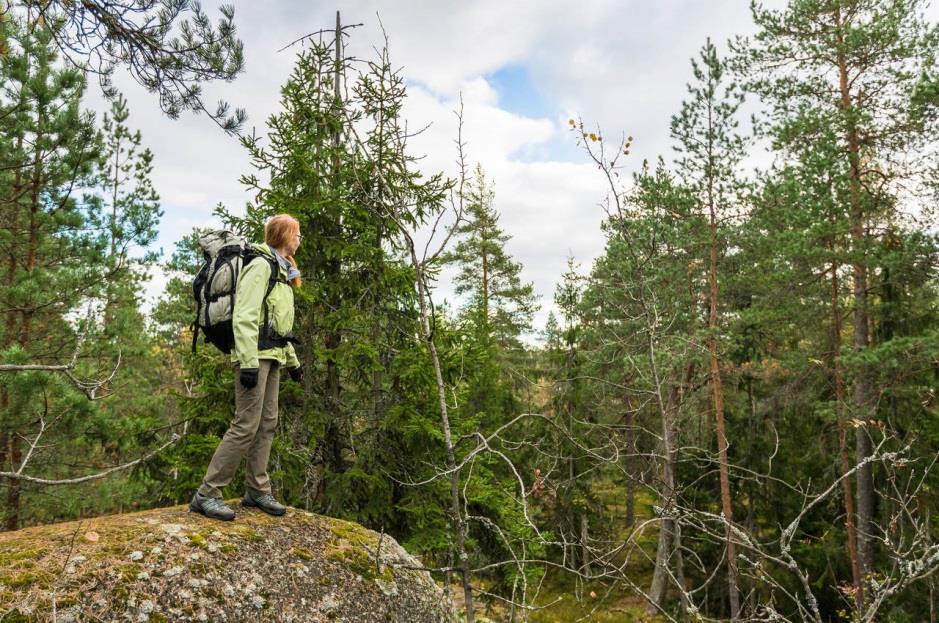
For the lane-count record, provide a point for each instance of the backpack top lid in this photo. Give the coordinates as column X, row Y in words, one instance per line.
column 214, row 241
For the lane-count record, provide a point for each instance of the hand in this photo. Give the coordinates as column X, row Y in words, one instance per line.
column 249, row 377
column 296, row 374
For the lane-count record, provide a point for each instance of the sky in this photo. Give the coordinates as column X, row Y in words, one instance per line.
column 522, row 68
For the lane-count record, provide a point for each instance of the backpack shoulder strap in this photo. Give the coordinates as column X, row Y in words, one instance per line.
column 275, row 277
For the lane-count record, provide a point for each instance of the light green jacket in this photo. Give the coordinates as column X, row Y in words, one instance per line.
column 248, row 315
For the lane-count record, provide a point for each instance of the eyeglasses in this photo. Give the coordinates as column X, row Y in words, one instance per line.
column 299, row 237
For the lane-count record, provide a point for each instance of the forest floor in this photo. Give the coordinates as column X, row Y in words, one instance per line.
column 563, row 598
column 568, row 604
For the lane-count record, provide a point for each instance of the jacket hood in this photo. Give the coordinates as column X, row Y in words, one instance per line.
column 263, row 249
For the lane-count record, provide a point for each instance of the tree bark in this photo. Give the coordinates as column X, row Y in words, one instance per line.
column 14, row 497
column 456, row 518
column 680, row 571
column 861, row 390
column 840, row 398
column 109, row 288
column 717, row 394
column 659, row 587
column 485, row 276
column 631, row 471
column 667, row 532
column 586, row 558
column 9, row 335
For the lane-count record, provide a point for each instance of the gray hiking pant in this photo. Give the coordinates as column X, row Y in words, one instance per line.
column 250, row 434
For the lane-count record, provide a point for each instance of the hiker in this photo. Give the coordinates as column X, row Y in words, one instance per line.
column 262, row 320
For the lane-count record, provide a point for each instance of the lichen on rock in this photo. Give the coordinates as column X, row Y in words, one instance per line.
column 170, row 565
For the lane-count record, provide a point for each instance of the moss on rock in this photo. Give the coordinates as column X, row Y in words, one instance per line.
column 170, row 565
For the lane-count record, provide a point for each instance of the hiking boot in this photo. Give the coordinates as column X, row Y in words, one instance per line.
column 264, row 501
column 214, row 508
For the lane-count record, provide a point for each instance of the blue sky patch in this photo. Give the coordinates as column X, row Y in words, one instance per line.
column 518, row 95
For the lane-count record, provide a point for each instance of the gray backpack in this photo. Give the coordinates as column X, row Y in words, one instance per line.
column 226, row 253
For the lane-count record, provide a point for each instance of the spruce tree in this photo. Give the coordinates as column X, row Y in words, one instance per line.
column 337, row 161
column 131, row 208
column 352, row 316
column 575, row 501
column 500, row 304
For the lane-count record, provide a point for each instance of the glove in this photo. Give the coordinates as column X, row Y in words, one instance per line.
column 249, row 377
column 296, row 374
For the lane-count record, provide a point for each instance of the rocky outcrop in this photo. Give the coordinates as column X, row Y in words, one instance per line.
column 171, row 565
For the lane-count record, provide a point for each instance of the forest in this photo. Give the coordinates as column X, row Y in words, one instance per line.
column 730, row 415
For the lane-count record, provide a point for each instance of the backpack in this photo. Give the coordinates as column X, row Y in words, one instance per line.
column 226, row 253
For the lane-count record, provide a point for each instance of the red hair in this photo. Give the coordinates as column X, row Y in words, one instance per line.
column 278, row 231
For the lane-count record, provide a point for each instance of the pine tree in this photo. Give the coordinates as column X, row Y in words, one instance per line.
column 498, row 309
column 710, row 151
column 640, row 305
column 127, row 213
column 162, row 49
column 861, row 68
column 51, row 261
column 124, row 197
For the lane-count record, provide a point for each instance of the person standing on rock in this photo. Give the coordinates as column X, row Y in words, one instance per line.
column 263, row 345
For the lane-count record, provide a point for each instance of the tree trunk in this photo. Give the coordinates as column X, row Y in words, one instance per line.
column 932, row 599
column 667, row 531
column 840, row 398
column 861, row 393
column 586, row 558
column 13, row 493
column 14, row 498
column 485, row 278
column 456, row 518
column 109, row 288
column 717, row 393
column 15, row 451
column 631, row 471
column 680, row 571
column 659, row 587
column 332, row 437
column 9, row 335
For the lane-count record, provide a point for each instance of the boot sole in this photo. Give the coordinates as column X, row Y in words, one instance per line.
column 196, row 509
column 245, row 502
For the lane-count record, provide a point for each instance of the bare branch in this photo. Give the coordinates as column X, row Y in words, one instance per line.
column 97, row 476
